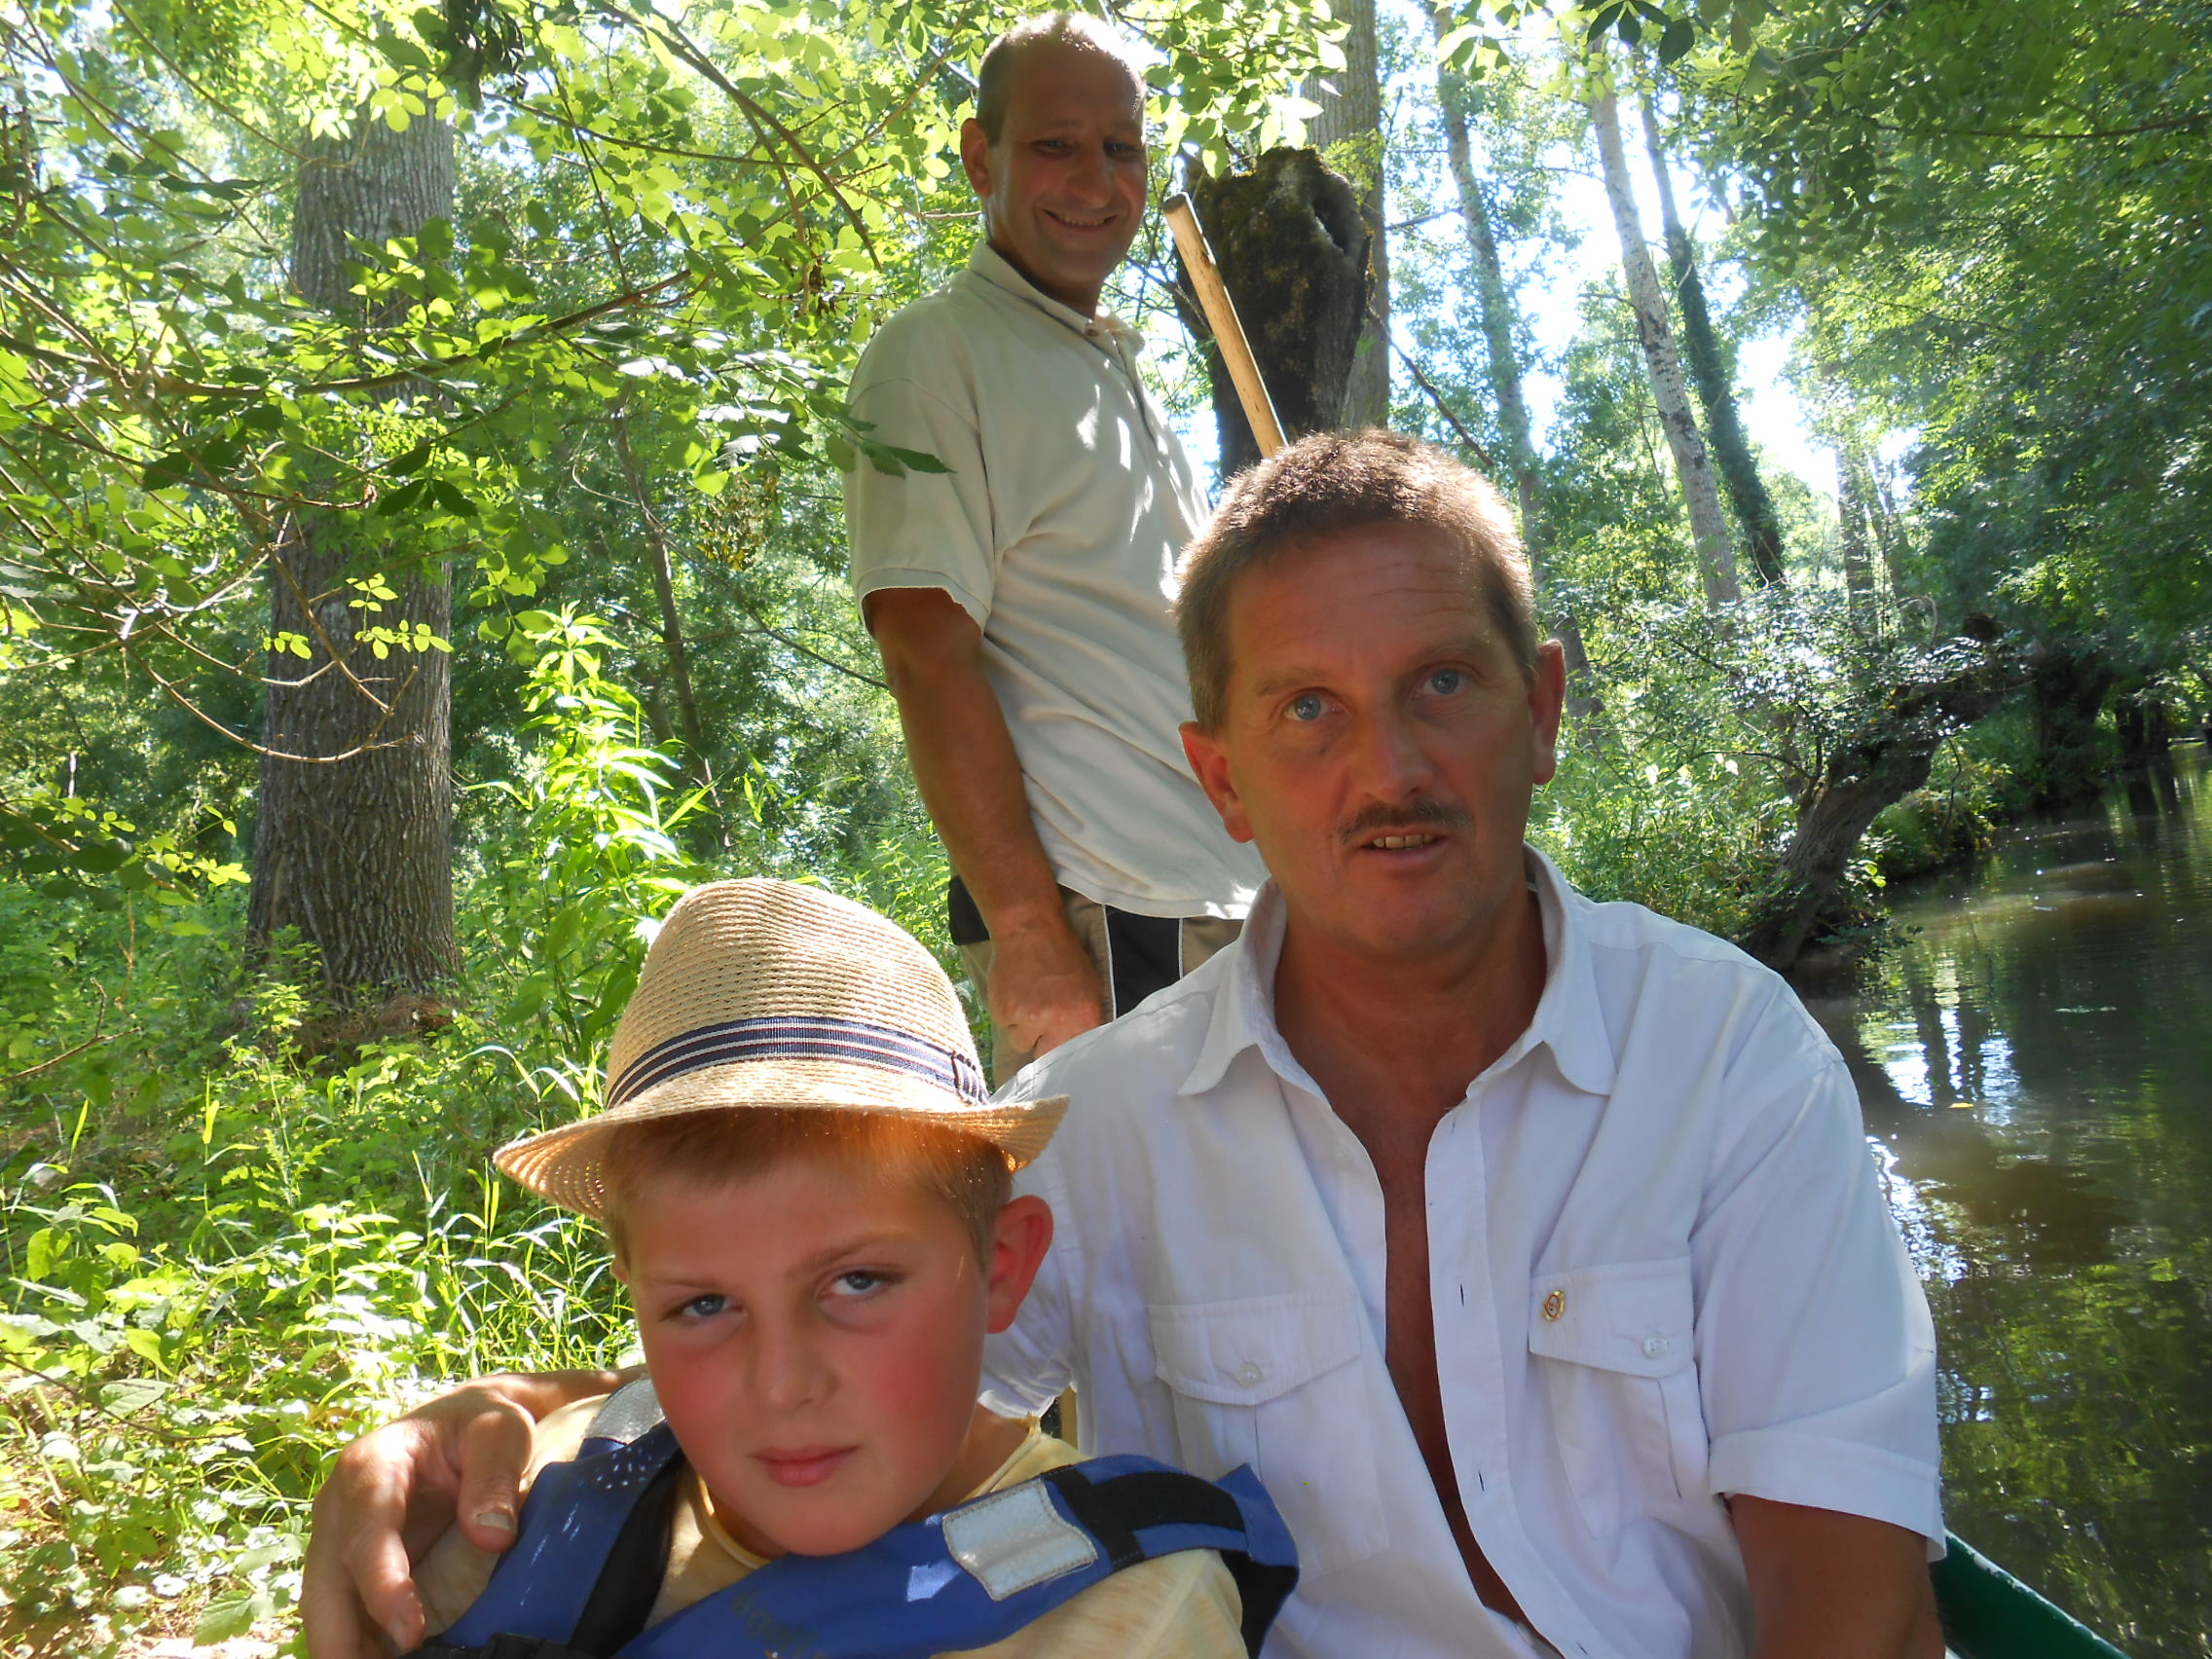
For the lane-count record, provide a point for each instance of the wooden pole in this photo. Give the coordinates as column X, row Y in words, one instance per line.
column 1221, row 317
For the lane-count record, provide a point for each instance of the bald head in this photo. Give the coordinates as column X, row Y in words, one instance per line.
column 1076, row 31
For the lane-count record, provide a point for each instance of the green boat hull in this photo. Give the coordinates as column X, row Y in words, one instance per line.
column 1989, row 1614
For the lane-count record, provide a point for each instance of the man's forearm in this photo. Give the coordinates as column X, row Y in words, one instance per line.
column 541, row 1393
column 970, row 777
column 1042, row 987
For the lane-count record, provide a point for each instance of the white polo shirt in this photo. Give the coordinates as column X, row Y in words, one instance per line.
column 1058, row 530
column 1661, row 1270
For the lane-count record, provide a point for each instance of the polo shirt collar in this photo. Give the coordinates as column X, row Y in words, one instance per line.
column 995, row 270
column 1568, row 1019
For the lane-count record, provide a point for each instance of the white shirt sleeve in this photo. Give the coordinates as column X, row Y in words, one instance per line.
column 1814, row 1348
column 926, row 530
column 1031, row 1363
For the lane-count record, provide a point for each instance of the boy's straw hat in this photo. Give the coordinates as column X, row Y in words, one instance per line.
column 766, row 993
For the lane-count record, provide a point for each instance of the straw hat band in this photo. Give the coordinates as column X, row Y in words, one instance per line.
column 817, row 1037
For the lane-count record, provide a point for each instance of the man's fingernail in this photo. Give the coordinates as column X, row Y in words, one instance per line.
column 402, row 1638
column 498, row 1520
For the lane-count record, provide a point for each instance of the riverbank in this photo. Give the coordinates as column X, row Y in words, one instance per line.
column 2031, row 1052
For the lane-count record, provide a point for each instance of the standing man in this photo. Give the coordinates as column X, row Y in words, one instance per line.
column 1021, row 600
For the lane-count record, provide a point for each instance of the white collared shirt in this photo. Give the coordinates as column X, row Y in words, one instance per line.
column 1057, row 529
column 1661, row 1270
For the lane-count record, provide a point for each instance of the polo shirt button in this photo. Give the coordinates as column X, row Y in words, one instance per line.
column 1555, row 1304
column 1248, row 1374
column 1654, row 1345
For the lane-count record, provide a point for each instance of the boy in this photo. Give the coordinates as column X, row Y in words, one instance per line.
column 807, row 1191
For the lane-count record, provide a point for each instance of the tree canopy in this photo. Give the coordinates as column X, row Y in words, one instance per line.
column 481, row 366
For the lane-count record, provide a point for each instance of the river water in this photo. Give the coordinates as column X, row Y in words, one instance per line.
column 2035, row 1059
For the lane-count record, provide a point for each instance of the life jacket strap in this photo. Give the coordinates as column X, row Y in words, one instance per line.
column 1116, row 1510
column 586, row 1570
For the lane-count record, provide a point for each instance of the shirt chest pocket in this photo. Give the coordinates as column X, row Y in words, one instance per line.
column 1275, row 1382
column 1614, row 1348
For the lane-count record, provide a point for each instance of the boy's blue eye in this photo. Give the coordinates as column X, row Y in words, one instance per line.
column 702, row 1308
column 860, row 1282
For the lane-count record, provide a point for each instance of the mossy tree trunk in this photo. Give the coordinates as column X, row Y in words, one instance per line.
column 1293, row 250
column 1351, row 116
column 1885, row 760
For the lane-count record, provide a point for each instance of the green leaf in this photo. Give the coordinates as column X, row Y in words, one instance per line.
column 170, row 470
column 136, row 1393
column 232, row 1615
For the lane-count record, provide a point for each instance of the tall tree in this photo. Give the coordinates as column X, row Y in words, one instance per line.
column 1709, row 528
column 1498, row 322
column 1851, row 511
column 1351, row 122
column 352, row 842
column 1708, row 373
column 663, row 563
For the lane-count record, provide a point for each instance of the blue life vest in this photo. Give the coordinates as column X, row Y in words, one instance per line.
column 581, row 1578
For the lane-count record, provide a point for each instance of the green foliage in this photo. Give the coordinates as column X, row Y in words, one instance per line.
column 238, row 1230
column 1998, row 217
column 591, row 855
column 237, row 1225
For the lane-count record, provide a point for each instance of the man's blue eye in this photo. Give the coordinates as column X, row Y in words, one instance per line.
column 1446, row 680
column 1305, row 708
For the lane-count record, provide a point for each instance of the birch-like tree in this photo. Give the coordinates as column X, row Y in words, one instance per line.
column 1498, row 325
column 1710, row 374
column 1693, row 463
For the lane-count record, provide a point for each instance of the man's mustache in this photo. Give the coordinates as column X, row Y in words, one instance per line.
column 1417, row 815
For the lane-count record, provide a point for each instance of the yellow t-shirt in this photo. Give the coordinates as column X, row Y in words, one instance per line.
column 1179, row 1607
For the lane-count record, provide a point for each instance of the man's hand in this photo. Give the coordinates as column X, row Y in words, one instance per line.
column 393, row 1493
column 1832, row 1586
column 1043, row 987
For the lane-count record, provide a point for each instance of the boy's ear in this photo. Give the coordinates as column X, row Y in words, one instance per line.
column 1019, row 1238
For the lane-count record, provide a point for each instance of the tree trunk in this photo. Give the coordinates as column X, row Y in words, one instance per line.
column 1708, row 373
column 1497, row 319
column 1881, row 502
column 671, row 618
column 352, row 842
column 1351, row 112
column 1292, row 249
column 2068, row 684
column 1887, row 761
column 1851, row 523
column 1709, row 528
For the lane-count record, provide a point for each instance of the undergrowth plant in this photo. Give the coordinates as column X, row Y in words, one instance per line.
column 230, row 1242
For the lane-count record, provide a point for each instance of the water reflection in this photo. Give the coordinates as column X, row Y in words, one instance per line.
column 2033, row 1060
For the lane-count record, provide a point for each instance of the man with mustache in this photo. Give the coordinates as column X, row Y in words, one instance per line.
column 1528, row 1247
column 1020, row 599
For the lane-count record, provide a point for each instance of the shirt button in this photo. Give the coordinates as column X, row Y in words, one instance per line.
column 1248, row 1374
column 1655, row 1344
column 1555, row 1304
